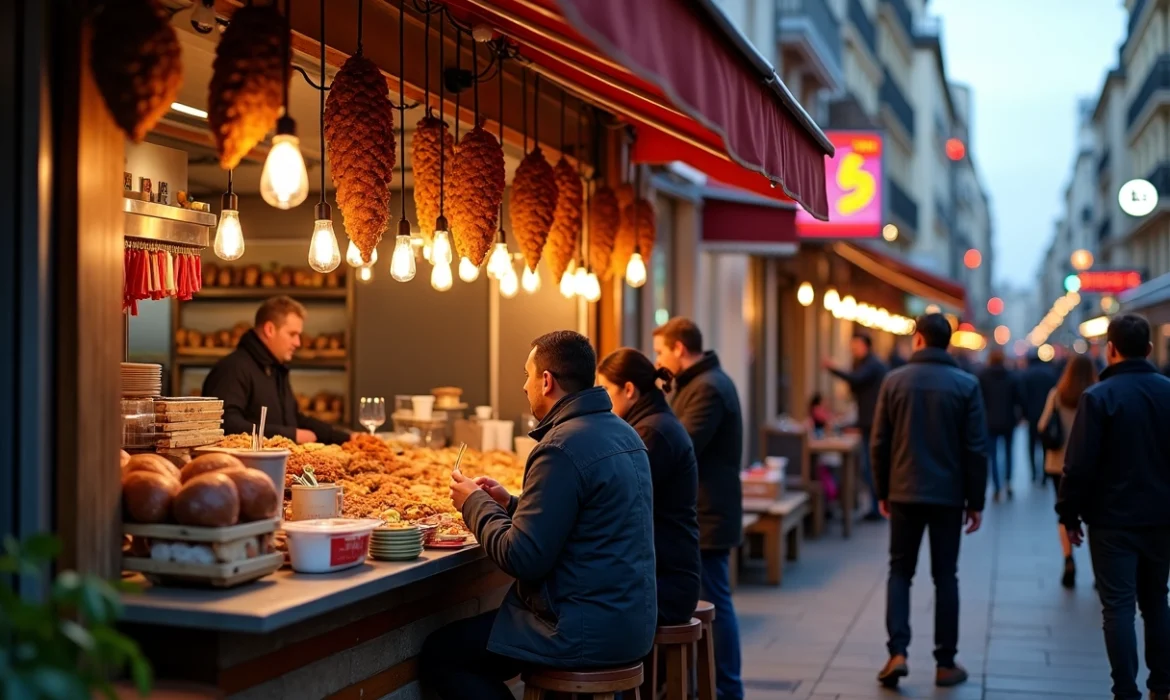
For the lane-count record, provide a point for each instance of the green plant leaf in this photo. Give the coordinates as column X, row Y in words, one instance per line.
column 43, row 547
column 93, row 602
column 57, row 683
column 77, row 634
column 142, row 674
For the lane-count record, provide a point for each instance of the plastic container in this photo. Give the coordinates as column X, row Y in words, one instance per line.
column 332, row 544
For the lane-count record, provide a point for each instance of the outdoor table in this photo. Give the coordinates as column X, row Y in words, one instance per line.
column 849, row 448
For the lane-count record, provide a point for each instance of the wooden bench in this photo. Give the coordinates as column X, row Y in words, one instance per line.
column 781, row 525
column 749, row 519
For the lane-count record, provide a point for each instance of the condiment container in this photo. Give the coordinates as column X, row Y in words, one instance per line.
column 331, row 544
column 316, row 502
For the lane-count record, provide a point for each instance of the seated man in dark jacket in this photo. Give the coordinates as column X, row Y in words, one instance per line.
column 579, row 540
column 1117, row 480
column 864, row 380
column 929, row 465
column 255, row 374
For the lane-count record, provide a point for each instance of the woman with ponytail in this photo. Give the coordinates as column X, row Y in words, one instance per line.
column 631, row 380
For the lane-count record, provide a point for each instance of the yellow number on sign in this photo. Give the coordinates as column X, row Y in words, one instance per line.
column 858, row 185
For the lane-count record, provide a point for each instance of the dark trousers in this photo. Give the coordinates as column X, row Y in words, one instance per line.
column 456, row 664
column 1005, row 439
column 1134, row 565
column 1035, row 451
column 907, row 523
column 867, row 473
column 715, row 588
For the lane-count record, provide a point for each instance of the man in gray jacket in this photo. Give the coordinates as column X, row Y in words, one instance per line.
column 930, row 469
column 579, row 540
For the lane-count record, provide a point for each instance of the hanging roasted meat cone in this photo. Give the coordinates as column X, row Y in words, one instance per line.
column 637, row 216
column 135, row 58
column 533, row 205
column 561, row 245
column 625, row 195
column 431, row 137
column 647, row 220
column 476, row 188
column 605, row 217
column 245, row 96
column 359, row 137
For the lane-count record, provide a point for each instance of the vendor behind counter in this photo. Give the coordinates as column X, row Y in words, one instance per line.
column 256, row 374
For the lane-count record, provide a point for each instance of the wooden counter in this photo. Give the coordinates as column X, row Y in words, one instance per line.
column 352, row 634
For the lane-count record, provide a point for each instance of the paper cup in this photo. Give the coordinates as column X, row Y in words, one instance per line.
column 483, row 412
column 422, row 406
column 316, row 502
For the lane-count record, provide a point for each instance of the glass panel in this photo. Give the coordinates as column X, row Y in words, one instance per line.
column 662, row 262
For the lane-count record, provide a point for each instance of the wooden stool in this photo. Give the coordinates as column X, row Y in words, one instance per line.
column 677, row 643
column 602, row 684
column 705, row 667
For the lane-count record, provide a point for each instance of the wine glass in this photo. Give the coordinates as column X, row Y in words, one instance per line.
column 372, row 413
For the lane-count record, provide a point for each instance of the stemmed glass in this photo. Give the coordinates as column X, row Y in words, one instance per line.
column 372, row 412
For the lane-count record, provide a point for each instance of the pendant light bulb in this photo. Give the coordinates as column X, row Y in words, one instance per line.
column 530, row 281
column 441, row 277
column 324, row 253
column 592, row 290
column 229, row 237
column 580, row 281
column 636, row 271
column 500, row 261
column 441, row 248
column 468, row 271
column 568, row 284
column 402, row 267
column 365, row 273
column 509, row 283
column 353, row 256
column 284, row 183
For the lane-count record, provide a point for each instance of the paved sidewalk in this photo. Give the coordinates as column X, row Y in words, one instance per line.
column 821, row 636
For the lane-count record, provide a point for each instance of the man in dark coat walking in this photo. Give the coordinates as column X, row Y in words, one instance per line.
column 1035, row 383
column 579, row 540
column 1117, row 480
column 707, row 404
column 1002, row 399
column 255, row 374
column 930, row 466
column 864, row 381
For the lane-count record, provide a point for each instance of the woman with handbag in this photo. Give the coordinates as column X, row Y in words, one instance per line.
column 1061, row 407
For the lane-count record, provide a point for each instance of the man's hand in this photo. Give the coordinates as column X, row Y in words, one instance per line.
column 826, row 363
column 884, row 509
column 461, row 488
column 974, row 520
column 498, row 493
column 1076, row 535
column 304, row 436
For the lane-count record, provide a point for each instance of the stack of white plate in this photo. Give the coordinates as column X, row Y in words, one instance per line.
column 396, row 542
column 141, row 379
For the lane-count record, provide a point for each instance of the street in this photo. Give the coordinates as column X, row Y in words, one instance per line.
column 822, row 634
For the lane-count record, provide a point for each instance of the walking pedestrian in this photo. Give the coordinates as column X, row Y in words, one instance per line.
column 1004, row 405
column 864, row 380
column 631, row 380
column 1056, row 422
column 930, row 467
column 1037, row 382
column 707, row 404
column 1117, row 481
column 578, row 540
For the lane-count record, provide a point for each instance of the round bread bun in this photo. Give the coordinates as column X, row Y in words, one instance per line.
column 258, row 497
column 208, row 500
column 150, row 462
column 125, row 458
column 210, row 462
column 147, row 496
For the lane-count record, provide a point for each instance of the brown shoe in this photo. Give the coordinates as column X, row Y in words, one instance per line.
column 1159, row 696
column 894, row 670
column 947, row 677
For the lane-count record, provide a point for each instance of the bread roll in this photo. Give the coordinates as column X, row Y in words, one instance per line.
column 210, row 462
column 258, row 498
column 208, row 500
column 150, row 462
column 147, row 496
column 125, row 457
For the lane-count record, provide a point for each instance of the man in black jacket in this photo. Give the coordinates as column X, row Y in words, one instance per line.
column 255, row 374
column 1117, row 480
column 864, row 381
column 1002, row 401
column 1035, row 382
column 707, row 404
column 930, row 467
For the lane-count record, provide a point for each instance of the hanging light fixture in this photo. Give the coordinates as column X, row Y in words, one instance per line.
column 353, row 256
column 229, row 237
column 805, row 294
column 324, row 253
column 636, row 267
column 509, row 282
column 365, row 273
column 284, row 182
column 530, row 280
column 402, row 265
column 568, row 285
column 500, row 260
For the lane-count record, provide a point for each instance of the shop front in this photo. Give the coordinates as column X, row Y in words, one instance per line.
column 116, row 259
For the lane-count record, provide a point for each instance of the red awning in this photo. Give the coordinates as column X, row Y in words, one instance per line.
column 904, row 276
column 691, row 85
column 739, row 221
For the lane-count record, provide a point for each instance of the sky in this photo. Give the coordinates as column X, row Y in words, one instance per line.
column 1027, row 62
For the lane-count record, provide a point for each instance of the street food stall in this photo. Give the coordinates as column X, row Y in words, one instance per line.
column 159, row 187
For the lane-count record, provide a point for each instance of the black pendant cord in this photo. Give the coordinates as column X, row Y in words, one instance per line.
column 361, row 27
column 586, row 199
column 322, row 114
column 503, row 233
column 523, row 107
column 286, row 66
column 402, row 97
column 475, row 87
column 637, row 196
column 427, row 67
column 442, row 119
column 458, row 67
column 563, row 93
column 536, row 112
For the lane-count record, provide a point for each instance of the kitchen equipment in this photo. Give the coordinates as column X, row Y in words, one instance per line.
column 372, row 413
column 330, row 544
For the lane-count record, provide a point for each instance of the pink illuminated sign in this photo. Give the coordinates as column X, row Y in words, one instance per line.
column 854, row 185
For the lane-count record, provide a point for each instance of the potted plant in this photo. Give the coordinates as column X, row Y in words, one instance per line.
column 63, row 645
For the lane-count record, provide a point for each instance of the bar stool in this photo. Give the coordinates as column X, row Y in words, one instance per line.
column 602, row 684
column 675, row 643
column 705, row 668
